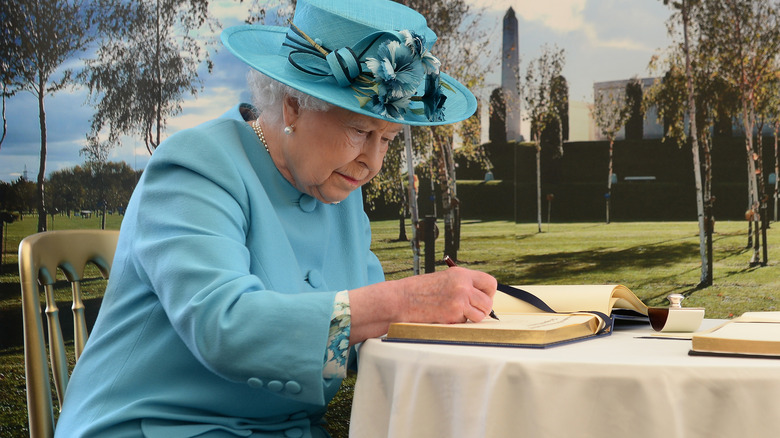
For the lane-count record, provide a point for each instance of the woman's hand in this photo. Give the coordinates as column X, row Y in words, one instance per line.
column 449, row 296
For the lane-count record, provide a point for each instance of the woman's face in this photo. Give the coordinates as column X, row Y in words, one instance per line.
column 331, row 153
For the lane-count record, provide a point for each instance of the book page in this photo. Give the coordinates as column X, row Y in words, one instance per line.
column 759, row 317
column 571, row 298
column 748, row 331
column 534, row 321
column 753, row 333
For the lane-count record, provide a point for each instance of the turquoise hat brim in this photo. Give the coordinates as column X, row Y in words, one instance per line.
column 259, row 47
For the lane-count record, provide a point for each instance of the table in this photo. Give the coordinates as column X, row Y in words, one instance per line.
column 615, row 386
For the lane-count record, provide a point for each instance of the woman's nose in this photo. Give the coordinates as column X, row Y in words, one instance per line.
column 373, row 154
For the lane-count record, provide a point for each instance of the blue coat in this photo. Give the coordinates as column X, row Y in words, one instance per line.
column 217, row 312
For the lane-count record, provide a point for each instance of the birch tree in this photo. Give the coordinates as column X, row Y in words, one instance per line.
column 145, row 66
column 44, row 35
column 685, row 10
column 537, row 95
column 388, row 186
column 745, row 39
column 773, row 117
column 610, row 113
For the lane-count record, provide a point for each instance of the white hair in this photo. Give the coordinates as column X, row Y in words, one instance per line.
column 268, row 95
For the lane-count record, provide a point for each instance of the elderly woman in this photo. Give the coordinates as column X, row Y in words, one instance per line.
column 243, row 274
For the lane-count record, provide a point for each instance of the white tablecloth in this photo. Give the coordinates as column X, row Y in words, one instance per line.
column 615, row 386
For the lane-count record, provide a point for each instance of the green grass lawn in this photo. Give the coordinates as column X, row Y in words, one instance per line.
column 653, row 259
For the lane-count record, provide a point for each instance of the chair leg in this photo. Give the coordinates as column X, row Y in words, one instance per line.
column 79, row 320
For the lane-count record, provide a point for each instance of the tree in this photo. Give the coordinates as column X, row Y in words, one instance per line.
column 556, row 129
column 66, row 191
column 45, row 35
column 538, row 97
column 766, row 98
column 144, row 66
column 773, row 117
column 686, row 10
column 388, row 186
column 726, row 106
column 610, row 112
column 636, row 115
column 258, row 10
column 497, row 129
column 744, row 39
column 18, row 197
column 92, row 186
column 8, row 202
column 668, row 95
column 10, row 58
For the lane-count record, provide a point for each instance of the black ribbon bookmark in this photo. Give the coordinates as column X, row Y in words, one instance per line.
column 528, row 297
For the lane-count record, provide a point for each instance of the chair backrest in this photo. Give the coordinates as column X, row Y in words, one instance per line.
column 40, row 255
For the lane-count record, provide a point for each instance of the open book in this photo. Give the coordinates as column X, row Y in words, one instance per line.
column 754, row 334
column 607, row 299
column 524, row 325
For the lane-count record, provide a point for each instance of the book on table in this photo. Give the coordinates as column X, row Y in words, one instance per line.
column 582, row 309
column 753, row 334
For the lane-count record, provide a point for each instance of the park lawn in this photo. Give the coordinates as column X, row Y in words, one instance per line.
column 653, row 259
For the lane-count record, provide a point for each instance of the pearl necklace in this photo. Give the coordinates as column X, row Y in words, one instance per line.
column 259, row 131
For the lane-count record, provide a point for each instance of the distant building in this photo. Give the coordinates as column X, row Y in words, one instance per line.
column 510, row 71
column 581, row 126
column 651, row 127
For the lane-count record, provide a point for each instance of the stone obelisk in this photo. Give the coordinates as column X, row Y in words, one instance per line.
column 510, row 73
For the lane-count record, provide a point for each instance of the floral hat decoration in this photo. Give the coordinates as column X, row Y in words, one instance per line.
column 368, row 56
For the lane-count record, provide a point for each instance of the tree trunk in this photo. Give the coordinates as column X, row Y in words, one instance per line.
column 159, row 79
column 2, row 245
column 402, row 229
column 449, row 200
column 609, row 177
column 762, row 199
column 412, row 199
column 709, row 219
column 40, row 186
column 5, row 120
column 752, row 180
column 777, row 170
column 404, row 208
column 695, row 150
column 539, row 181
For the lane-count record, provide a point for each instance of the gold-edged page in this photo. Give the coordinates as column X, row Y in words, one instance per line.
column 526, row 328
column 751, row 335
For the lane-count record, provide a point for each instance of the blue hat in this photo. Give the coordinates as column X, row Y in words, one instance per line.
column 368, row 56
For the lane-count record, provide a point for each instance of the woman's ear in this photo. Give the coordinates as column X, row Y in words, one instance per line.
column 291, row 110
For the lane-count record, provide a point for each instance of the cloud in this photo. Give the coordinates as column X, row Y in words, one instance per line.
column 209, row 105
column 559, row 15
column 615, row 24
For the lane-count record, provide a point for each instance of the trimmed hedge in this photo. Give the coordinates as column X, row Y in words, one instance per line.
column 577, row 181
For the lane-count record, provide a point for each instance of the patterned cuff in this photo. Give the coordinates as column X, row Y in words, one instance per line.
column 337, row 353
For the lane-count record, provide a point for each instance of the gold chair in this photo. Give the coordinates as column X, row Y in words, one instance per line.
column 40, row 255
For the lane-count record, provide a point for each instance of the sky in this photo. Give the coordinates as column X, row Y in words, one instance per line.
column 603, row 40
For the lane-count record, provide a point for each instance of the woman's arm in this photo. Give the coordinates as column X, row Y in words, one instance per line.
column 453, row 295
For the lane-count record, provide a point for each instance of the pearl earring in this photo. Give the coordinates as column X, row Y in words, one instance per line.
column 289, row 130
